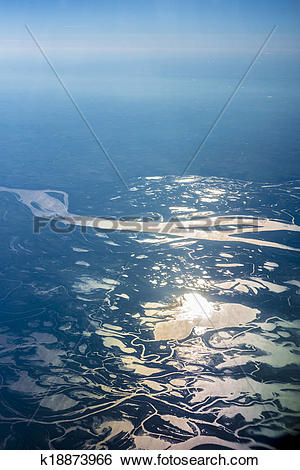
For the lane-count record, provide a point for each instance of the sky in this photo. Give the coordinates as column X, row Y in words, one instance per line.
column 131, row 26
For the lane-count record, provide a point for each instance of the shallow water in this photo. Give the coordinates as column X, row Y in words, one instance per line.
column 152, row 340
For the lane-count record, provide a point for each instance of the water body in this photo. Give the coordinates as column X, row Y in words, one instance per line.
column 151, row 340
column 150, row 336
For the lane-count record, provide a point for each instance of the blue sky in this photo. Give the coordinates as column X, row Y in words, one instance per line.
column 154, row 16
column 149, row 24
